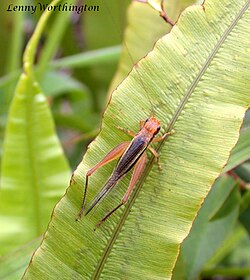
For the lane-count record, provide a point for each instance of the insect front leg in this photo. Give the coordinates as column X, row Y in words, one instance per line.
column 112, row 155
column 138, row 170
column 141, row 123
column 158, row 139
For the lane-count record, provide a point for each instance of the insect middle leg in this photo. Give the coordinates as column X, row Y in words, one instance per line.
column 127, row 131
column 138, row 170
column 154, row 152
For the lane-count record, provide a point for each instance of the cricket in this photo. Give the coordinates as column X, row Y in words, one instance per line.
column 132, row 154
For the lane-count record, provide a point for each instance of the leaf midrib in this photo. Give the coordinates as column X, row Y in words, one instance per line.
column 33, row 162
column 177, row 113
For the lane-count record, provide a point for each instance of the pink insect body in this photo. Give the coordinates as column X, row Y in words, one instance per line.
column 132, row 155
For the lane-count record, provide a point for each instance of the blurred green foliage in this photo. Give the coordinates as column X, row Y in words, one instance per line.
column 76, row 94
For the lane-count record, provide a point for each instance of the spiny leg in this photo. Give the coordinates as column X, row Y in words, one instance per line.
column 154, row 152
column 138, row 170
column 112, row 155
column 158, row 139
column 129, row 132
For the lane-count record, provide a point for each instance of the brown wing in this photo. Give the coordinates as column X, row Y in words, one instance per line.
column 130, row 156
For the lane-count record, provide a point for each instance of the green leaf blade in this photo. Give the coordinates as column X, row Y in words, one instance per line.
column 211, row 226
column 33, row 170
column 144, row 28
column 180, row 76
column 241, row 152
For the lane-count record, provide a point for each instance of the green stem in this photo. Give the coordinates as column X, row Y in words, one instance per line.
column 15, row 51
column 53, row 40
column 227, row 271
column 30, row 51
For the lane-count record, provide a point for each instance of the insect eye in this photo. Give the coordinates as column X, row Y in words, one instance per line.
column 158, row 128
column 146, row 120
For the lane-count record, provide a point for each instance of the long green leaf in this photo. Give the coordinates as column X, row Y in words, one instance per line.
column 86, row 59
column 14, row 263
column 212, row 225
column 144, row 28
column 230, row 246
column 34, row 169
column 241, row 152
column 197, row 78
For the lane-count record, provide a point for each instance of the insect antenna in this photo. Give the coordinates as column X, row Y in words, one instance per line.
column 136, row 66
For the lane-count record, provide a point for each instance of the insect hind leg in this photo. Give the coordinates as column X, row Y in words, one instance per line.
column 138, row 170
column 112, row 155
